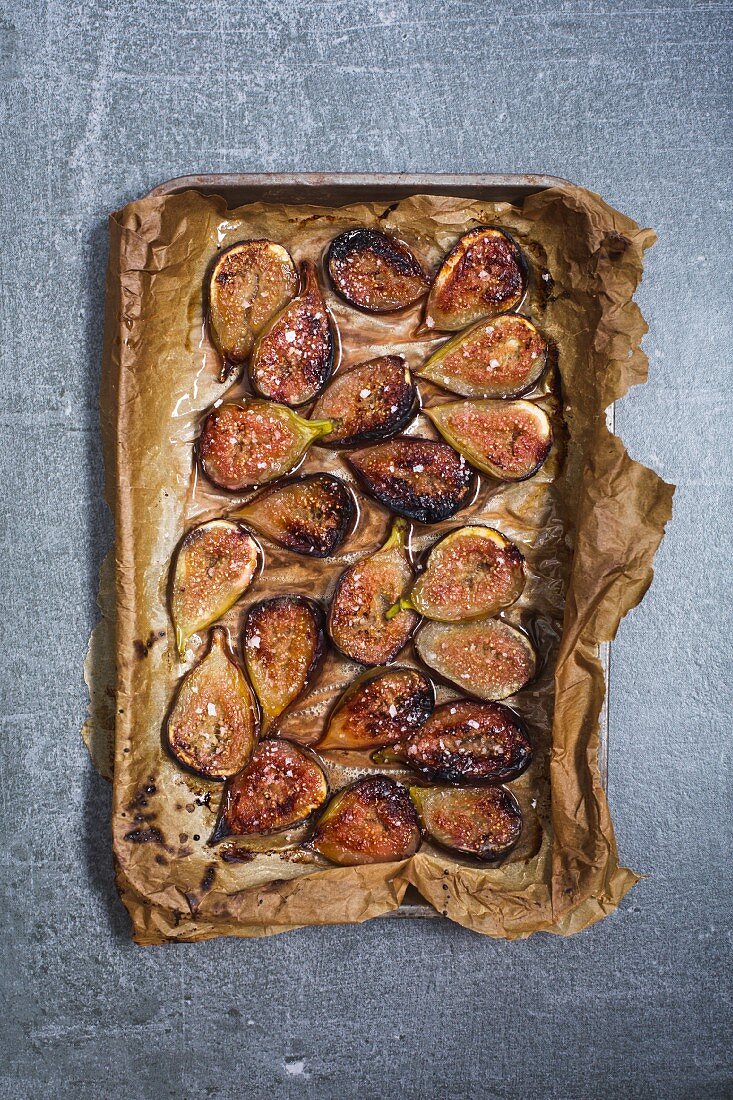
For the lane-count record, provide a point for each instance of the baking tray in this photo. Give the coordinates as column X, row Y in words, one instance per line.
column 342, row 189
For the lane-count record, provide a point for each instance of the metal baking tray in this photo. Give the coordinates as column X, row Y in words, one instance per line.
column 341, row 189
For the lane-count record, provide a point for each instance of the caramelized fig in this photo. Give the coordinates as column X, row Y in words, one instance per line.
column 372, row 821
column 509, row 440
column 243, row 445
column 483, row 822
column 283, row 644
column 501, row 357
column 215, row 564
column 470, row 573
column 249, row 283
column 310, row 515
column 488, row 659
column 293, row 357
column 483, row 275
column 375, row 272
column 381, row 707
column 281, row 787
column 357, row 618
column 212, row 728
column 369, row 402
column 417, row 478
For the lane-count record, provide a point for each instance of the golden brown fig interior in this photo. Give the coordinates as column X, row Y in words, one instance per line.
column 501, row 357
column 381, row 707
column 509, row 440
column 372, row 401
column 484, row 274
column 372, row 821
column 488, row 659
column 310, row 515
column 416, row 478
column 375, row 272
column 483, row 822
column 467, row 742
column 283, row 644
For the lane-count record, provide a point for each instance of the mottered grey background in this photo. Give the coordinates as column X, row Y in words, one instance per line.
column 101, row 101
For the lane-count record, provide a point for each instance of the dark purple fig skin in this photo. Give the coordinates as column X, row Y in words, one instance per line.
column 372, row 821
column 484, row 823
column 311, row 515
column 374, row 271
column 368, row 402
column 468, row 742
column 379, row 708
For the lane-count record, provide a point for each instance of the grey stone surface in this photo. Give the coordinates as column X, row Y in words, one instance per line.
column 102, row 101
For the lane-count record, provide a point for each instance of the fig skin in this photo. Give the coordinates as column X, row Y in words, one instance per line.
column 374, row 271
column 248, row 284
column 509, row 440
column 357, row 616
column 281, row 788
column 482, row 822
column 213, row 724
column 484, row 274
column 467, row 742
column 420, row 479
column 371, row 821
column 487, row 659
column 294, row 355
column 214, row 566
column 283, row 644
column 381, row 707
column 247, row 444
column 311, row 515
column 368, row 402
column 500, row 357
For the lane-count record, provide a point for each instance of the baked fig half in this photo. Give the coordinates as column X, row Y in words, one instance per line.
column 374, row 271
column 487, row 659
column 283, row 645
column 282, row 787
column 471, row 573
column 215, row 564
column 294, row 355
column 484, row 274
column 248, row 284
column 381, row 707
column 310, row 515
column 420, row 479
column 212, row 726
column 371, row 401
column 246, row 444
column 372, row 821
column 509, row 440
column 501, row 357
column 483, row 822
column 357, row 619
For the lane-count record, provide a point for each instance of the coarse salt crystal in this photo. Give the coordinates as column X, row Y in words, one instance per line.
column 365, row 393
column 211, row 709
column 290, row 336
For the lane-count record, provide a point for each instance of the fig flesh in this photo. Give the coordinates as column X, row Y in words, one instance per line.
column 420, row 479
column 357, row 617
column 509, row 440
column 500, row 357
column 381, row 707
column 375, row 272
column 215, row 564
column 283, row 645
column 483, row 822
column 488, row 659
column 371, row 401
column 294, row 355
column 247, row 444
column 372, row 821
column 212, row 727
column 484, row 274
column 311, row 515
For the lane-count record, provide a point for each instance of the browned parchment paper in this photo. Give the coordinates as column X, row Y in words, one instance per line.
column 589, row 525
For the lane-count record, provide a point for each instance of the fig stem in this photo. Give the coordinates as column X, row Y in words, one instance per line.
column 397, row 535
column 387, row 755
column 181, row 640
column 403, row 604
column 316, row 428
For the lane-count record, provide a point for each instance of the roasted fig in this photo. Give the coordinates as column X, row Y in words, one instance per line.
column 372, row 821
column 509, row 440
column 470, row 573
column 483, row 822
column 283, row 644
column 357, row 617
column 375, row 272
column 243, row 445
column 416, row 478
column 501, row 357
column 484, row 274
column 294, row 355
column 215, row 564
column 381, row 707
column 309, row 515
column 212, row 727
column 248, row 284
column 488, row 659
column 369, row 402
